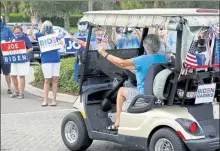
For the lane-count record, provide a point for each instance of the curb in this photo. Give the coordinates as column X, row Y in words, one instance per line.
column 60, row 96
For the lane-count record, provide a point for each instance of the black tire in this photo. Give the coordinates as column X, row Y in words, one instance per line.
column 82, row 141
column 170, row 135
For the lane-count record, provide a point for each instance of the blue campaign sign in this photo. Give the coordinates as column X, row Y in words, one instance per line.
column 16, row 58
column 72, row 47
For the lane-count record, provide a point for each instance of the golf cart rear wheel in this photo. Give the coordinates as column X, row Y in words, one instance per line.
column 74, row 132
column 166, row 139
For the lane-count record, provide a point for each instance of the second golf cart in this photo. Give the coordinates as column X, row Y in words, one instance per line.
column 182, row 116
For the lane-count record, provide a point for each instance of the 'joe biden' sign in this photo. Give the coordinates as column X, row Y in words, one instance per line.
column 48, row 43
column 72, row 47
column 14, row 52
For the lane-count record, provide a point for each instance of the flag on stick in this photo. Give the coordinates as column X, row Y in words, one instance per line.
column 191, row 59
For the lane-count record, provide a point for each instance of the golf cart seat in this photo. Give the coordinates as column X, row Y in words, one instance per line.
column 143, row 103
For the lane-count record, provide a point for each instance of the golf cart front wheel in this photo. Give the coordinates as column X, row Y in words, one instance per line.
column 74, row 132
column 166, row 139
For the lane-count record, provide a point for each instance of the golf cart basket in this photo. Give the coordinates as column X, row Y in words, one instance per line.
column 187, row 23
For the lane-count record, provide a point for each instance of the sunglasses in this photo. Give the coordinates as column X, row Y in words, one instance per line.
column 82, row 23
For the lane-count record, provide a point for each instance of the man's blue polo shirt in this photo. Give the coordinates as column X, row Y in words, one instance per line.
column 84, row 35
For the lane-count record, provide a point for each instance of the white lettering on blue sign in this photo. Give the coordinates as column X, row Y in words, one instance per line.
column 72, row 46
column 18, row 58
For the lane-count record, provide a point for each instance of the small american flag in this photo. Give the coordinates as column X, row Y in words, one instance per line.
column 105, row 40
column 191, row 59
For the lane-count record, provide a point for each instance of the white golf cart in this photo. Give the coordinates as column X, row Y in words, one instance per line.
column 167, row 120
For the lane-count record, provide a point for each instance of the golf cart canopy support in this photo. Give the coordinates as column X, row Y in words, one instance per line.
column 161, row 18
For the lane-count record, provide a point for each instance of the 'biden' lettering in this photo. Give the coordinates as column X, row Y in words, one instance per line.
column 19, row 58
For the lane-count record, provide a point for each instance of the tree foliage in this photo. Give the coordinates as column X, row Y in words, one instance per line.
column 133, row 4
column 58, row 9
column 7, row 8
column 193, row 4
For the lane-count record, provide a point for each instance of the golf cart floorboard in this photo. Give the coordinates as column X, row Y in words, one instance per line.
column 107, row 132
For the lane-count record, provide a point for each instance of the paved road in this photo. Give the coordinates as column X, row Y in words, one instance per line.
column 26, row 126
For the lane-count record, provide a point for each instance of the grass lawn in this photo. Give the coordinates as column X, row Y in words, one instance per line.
column 73, row 29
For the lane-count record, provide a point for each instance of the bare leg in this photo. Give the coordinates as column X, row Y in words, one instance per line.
column 15, row 82
column 8, row 80
column 54, row 88
column 22, row 84
column 121, row 97
column 46, row 89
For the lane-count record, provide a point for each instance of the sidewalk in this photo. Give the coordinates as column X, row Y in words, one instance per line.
column 39, row 92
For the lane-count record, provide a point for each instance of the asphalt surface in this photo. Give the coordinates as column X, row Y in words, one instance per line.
column 26, row 126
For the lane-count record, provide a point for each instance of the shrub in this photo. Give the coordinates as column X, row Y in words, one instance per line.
column 16, row 17
column 66, row 80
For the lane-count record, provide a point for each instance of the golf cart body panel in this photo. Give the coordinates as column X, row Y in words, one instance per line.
column 138, row 129
column 165, row 116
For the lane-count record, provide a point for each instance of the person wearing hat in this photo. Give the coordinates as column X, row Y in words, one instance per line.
column 6, row 36
column 83, row 31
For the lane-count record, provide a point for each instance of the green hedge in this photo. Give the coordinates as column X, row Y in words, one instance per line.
column 66, row 80
column 16, row 17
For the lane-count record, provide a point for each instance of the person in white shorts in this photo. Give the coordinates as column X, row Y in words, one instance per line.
column 20, row 69
column 50, row 64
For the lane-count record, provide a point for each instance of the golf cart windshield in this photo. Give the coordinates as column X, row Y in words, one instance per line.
column 146, row 20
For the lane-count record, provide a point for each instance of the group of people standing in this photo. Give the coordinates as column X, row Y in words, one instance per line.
column 13, row 70
column 50, row 62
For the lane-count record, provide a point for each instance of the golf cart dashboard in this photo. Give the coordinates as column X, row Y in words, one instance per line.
column 98, row 66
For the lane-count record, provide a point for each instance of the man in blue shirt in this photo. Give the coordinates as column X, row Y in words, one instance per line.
column 83, row 31
column 6, row 36
column 141, row 64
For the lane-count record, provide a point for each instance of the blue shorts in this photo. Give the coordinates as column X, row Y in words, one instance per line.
column 5, row 68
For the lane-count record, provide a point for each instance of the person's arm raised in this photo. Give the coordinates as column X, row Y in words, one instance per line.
column 139, row 34
column 31, row 32
column 113, row 36
column 82, row 43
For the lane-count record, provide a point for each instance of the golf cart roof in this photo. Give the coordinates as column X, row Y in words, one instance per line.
column 152, row 17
